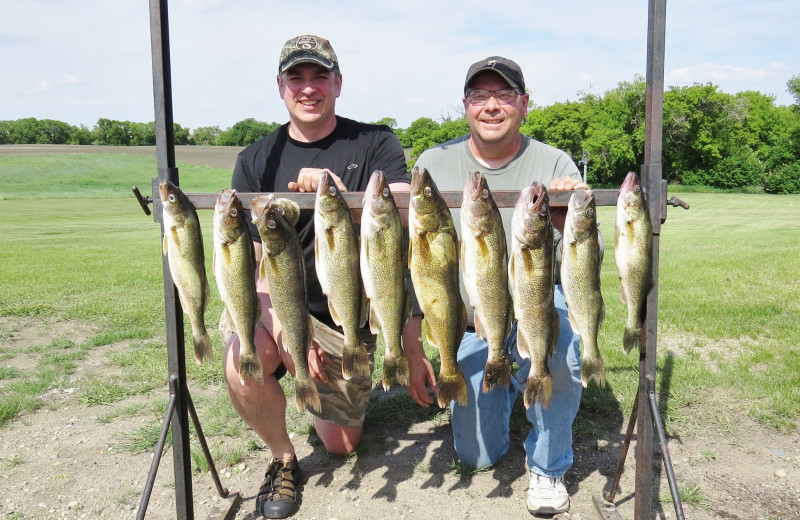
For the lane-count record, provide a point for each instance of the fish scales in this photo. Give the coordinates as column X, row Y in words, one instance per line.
column 580, row 280
column 382, row 271
column 532, row 276
column 183, row 246
column 484, row 260
column 235, row 271
column 337, row 262
column 633, row 245
column 433, row 262
column 283, row 267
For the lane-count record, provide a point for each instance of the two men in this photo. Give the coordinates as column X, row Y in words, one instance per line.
column 292, row 158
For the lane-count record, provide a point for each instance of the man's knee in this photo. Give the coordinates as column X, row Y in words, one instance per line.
column 338, row 440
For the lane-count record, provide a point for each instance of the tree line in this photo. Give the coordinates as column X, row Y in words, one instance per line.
column 710, row 138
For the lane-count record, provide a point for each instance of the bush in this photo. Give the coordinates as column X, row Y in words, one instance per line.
column 733, row 171
column 784, row 180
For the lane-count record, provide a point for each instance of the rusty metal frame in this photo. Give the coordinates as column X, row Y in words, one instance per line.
column 645, row 411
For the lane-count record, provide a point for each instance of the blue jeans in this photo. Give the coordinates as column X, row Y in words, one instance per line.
column 481, row 429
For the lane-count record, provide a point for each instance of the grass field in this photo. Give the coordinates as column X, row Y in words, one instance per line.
column 76, row 245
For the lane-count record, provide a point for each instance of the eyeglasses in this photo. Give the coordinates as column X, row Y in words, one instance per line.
column 481, row 97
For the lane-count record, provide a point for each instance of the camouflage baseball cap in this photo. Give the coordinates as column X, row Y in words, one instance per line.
column 508, row 69
column 307, row 49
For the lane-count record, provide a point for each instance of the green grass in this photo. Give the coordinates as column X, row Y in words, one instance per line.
column 76, row 245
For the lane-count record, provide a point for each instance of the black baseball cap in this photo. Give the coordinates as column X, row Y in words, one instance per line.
column 508, row 69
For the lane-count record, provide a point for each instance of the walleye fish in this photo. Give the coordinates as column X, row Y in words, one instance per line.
column 433, row 261
column 337, row 266
column 580, row 280
column 235, row 270
column 382, row 270
column 531, row 271
column 484, row 265
column 283, row 266
column 633, row 253
column 183, row 246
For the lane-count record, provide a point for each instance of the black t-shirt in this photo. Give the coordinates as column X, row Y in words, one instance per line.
column 353, row 151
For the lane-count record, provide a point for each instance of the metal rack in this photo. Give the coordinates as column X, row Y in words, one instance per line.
column 645, row 414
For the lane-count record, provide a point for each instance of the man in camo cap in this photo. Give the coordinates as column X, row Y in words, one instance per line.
column 292, row 158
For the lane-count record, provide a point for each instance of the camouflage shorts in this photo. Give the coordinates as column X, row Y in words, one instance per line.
column 343, row 402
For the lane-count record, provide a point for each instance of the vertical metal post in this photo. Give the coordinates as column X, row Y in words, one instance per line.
column 165, row 155
column 651, row 179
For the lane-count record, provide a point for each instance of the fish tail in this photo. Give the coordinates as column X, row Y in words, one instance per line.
column 202, row 347
column 395, row 370
column 593, row 369
column 634, row 337
column 538, row 389
column 452, row 387
column 306, row 395
column 497, row 372
column 355, row 361
column 250, row 366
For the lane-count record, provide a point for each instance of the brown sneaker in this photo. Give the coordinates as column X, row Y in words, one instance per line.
column 279, row 494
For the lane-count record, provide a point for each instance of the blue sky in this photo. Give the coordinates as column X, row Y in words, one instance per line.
column 78, row 61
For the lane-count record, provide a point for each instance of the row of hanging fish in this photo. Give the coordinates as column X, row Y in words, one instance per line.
column 362, row 276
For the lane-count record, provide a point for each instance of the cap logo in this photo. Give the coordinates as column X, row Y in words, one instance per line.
column 491, row 63
column 307, row 43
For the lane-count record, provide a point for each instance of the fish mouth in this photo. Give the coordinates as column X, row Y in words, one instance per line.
column 259, row 206
column 582, row 197
column 538, row 199
column 631, row 180
column 164, row 189
column 476, row 187
column 377, row 183
column 225, row 200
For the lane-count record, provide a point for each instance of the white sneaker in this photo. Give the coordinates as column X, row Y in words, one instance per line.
column 547, row 496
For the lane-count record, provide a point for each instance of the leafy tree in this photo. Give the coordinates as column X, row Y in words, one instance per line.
column 205, row 135
column 111, row 133
column 388, row 121
column 246, row 132
column 793, row 88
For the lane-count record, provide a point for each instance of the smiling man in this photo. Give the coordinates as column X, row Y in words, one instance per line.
column 495, row 104
column 293, row 158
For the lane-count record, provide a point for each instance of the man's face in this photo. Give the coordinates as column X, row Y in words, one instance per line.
column 493, row 122
column 310, row 91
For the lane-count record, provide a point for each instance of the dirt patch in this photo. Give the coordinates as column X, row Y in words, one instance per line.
column 61, row 462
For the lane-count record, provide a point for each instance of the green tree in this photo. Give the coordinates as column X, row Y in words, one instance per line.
column 205, row 135
column 111, row 133
column 246, row 132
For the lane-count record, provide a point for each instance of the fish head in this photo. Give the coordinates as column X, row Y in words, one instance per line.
column 378, row 196
column 531, row 212
column 173, row 201
column 329, row 203
column 631, row 193
column 228, row 213
column 258, row 208
column 425, row 196
column 583, row 212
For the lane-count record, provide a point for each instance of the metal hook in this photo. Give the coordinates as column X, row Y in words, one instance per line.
column 143, row 201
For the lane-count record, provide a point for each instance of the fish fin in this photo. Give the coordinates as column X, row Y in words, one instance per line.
column 214, row 261
column 593, row 369
column 426, row 331
column 164, row 245
column 479, row 327
column 555, row 331
column 365, row 307
column 395, row 370
column 406, row 307
column 633, row 337
column 334, row 314
column 250, row 367
column 355, row 361
column 262, row 268
column 538, row 389
column 573, row 322
column 452, row 387
column 202, row 347
column 622, row 294
column 497, row 372
column 306, row 395
column 374, row 325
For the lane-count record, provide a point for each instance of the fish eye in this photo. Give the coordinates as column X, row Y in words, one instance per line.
column 428, row 191
column 385, row 192
column 234, row 212
column 485, row 194
column 637, row 189
column 271, row 224
column 171, row 197
column 590, row 212
column 281, row 211
column 332, row 191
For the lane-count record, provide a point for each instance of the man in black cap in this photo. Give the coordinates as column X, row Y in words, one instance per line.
column 292, row 158
column 495, row 104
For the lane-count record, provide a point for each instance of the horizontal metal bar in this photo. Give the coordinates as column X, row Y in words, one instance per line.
column 354, row 199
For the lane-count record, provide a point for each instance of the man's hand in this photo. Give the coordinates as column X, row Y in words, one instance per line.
column 308, row 180
column 567, row 183
column 421, row 375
